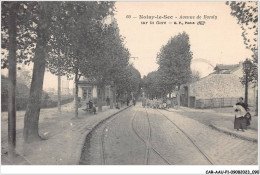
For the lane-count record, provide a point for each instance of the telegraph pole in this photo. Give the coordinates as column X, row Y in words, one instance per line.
column 12, row 6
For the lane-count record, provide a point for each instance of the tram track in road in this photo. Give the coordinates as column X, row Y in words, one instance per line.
column 102, row 139
column 144, row 134
column 189, row 138
column 147, row 142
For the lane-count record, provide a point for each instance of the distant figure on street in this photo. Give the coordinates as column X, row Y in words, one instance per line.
column 154, row 103
column 117, row 105
column 127, row 101
column 134, row 101
column 241, row 110
column 90, row 104
column 143, row 102
column 164, row 104
column 158, row 103
column 148, row 102
column 169, row 103
column 94, row 110
column 91, row 107
column 248, row 118
column 108, row 101
column 79, row 102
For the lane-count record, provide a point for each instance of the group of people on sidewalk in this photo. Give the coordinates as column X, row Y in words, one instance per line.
column 242, row 115
column 156, row 103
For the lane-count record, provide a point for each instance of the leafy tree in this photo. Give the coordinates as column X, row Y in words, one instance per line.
column 37, row 24
column 45, row 12
column 152, row 85
column 74, row 36
column 174, row 61
column 25, row 32
column 134, row 81
column 247, row 16
column 130, row 82
column 107, row 57
column 24, row 76
column 195, row 76
column 10, row 19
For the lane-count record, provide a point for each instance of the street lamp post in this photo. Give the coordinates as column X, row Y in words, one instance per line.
column 256, row 110
column 247, row 67
column 256, row 99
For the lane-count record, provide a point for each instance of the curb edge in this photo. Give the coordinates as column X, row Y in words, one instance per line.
column 233, row 134
column 93, row 128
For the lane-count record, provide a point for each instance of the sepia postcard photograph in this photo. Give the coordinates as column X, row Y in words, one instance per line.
column 170, row 83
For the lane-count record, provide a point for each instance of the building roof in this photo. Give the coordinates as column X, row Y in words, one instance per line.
column 84, row 80
column 217, row 86
column 225, row 68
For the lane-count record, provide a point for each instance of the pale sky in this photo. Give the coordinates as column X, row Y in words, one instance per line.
column 218, row 41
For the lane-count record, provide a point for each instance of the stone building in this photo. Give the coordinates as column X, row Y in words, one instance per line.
column 218, row 89
column 88, row 91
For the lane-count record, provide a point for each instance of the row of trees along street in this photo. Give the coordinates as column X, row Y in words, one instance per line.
column 175, row 57
column 70, row 39
column 174, row 61
column 247, row 17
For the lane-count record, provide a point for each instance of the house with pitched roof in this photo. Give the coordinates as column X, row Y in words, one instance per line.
column 88, row 91
column 219, row 89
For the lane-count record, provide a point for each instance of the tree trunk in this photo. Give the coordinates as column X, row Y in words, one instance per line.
column 12, row 79
column 111, row 97
column 256, row 111
column 100, row 97
column 31, row 119
column 59, row 93
column 76, row 94
column 178, row 97
column 114, row 95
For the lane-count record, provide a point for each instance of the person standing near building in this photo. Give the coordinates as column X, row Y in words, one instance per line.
column 240, row 111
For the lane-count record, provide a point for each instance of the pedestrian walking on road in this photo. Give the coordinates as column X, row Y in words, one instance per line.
column 134, row 101
column 240, row 112
column 94, row 110
column 169, row 103
column 143, row 102
column 108, row 101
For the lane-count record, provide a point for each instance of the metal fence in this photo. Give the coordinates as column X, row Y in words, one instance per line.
column 219, row 102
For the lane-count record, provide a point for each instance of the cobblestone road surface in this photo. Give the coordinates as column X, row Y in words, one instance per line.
column 140, row 136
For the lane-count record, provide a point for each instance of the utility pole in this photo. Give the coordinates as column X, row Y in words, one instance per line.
column 256, row 111
column 256, row 99
column 59, row 93
column 111, row 93
column 12, row 6
column 246, row 88
column 247, row 65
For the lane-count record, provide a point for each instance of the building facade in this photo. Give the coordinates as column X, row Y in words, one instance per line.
column 219, row 89
column 88, row 91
